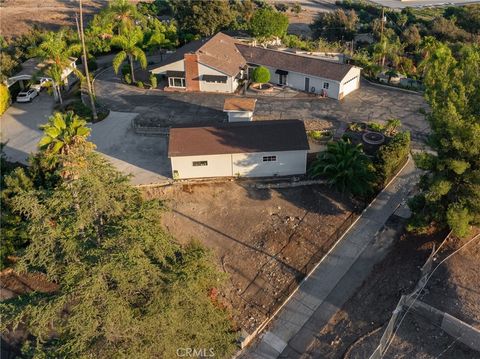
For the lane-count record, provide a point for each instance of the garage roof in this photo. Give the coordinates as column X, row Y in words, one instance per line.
column 294, row 62
column 239, row 137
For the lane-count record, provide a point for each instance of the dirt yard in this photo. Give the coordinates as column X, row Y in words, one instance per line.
column 262, row 238
column 19, row 16
column 355, row 331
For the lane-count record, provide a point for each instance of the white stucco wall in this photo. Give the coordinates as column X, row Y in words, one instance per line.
column 297, row 81
column 175, row 66
column 241, row 164
column 227, row 87
column 239, row 116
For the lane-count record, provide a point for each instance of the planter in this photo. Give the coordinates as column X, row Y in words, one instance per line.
column 373, row 138
column 258, row 87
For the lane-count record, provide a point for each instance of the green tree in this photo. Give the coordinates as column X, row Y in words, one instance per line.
column 130, row 44
column 123, row 13
column 267, row 23
column 4, row 98
column 451, row 191
column 202, row 17
column 261, row 75
column 345, row 167
column 337, row 25
column 56, row 52
column 125, row 287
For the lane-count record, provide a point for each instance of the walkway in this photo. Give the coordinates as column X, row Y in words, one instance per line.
column 314, row 303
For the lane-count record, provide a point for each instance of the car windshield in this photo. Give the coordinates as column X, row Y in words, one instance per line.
column 22, row 94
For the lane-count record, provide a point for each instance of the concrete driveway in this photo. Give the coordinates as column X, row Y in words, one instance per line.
column 19, row 126
column 160, row 108
column 142, row 157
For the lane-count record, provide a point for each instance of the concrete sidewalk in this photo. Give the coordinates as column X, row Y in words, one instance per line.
column 291, row 331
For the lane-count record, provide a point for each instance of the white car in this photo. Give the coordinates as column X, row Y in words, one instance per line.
column 40, row 84
column 27, row 96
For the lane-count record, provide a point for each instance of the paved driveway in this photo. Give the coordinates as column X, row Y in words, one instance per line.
column 166, row 108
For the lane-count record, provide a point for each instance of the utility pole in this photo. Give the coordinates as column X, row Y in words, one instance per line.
column 85, row 65
column 381, row 36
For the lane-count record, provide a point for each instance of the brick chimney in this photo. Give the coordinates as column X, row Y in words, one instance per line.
column 191, row 72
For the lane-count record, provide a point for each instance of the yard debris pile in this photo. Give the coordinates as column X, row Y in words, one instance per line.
column 263, row 238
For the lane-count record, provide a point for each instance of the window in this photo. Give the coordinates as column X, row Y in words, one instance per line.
column 199, row 163
column 282, row 79
column 325, row 85
column 176, row 82
column 269, row 158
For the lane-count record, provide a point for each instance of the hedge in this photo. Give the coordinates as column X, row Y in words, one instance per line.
column 391, row 156
column 4, row 98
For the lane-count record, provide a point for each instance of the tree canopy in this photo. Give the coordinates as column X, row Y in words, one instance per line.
column 267, row 23
column 126, row 287
column 451, row 191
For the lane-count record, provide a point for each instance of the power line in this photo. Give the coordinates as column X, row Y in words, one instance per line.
column 419, row 290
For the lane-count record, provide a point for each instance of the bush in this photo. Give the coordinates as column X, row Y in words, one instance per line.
column 128, row 78
column 297, row 8
column 375, row 126
column 92, row 65
column 153, row 81
column 4, row 98
column 391, row 156
column 261, row 75
column 318, row 134
column 140, row 84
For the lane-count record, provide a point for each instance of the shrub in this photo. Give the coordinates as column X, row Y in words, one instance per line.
column 375, row 126
column 297, row 8
column 4, row 98
column 140, row 84
column 261, row 75
column 391, row 156
column 128, row 78
column 92, row 65
column 153, row 81
column 318, row 134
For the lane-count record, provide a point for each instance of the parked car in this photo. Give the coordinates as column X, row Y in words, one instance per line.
column 27, row 95
column 40, row 84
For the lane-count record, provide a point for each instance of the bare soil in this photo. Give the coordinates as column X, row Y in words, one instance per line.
column 261, row 237
column 17, row 17
column 355, row 331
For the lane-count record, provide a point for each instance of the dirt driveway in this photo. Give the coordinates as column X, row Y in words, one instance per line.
column 160, row 108
column 262, row 238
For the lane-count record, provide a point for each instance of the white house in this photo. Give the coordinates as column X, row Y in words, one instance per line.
column 240, row 149
column 303, row 72
column 217, row 64
column 208, row 65
column 239, row 109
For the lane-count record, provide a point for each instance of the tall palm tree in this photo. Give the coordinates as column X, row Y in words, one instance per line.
column 56, row 53
column 345, row 167
column 62, row 131
column 130, row 43
column 124, row 13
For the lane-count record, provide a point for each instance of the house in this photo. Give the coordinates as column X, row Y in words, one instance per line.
column 303, row 72
column 34, row 70
column 220, row 63
column 239, row 109
column 242, row 149
column 208, row 65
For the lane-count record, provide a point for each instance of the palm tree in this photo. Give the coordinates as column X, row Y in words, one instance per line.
column 62, row 131
column 56, row 53
column 130, row 43
column 346, row 167
column 123, row 13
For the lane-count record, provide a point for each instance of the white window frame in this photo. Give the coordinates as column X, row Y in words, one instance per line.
column 272, row 158
column 172, row 82
column 199, row 163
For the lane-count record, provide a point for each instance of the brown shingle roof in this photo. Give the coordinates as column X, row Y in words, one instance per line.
column 294, row 62
column 218, row 52
column 239, row 104
column 239, row 137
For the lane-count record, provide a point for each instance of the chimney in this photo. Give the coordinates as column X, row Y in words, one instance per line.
column 191, row 72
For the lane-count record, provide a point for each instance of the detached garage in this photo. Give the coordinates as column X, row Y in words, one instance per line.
column 242, row 149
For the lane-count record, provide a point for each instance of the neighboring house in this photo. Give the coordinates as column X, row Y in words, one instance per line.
column 239, row 109
column 208, row 65
column 217, row 64
column 244, row 149
column 32, row 71
column 303, row 72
